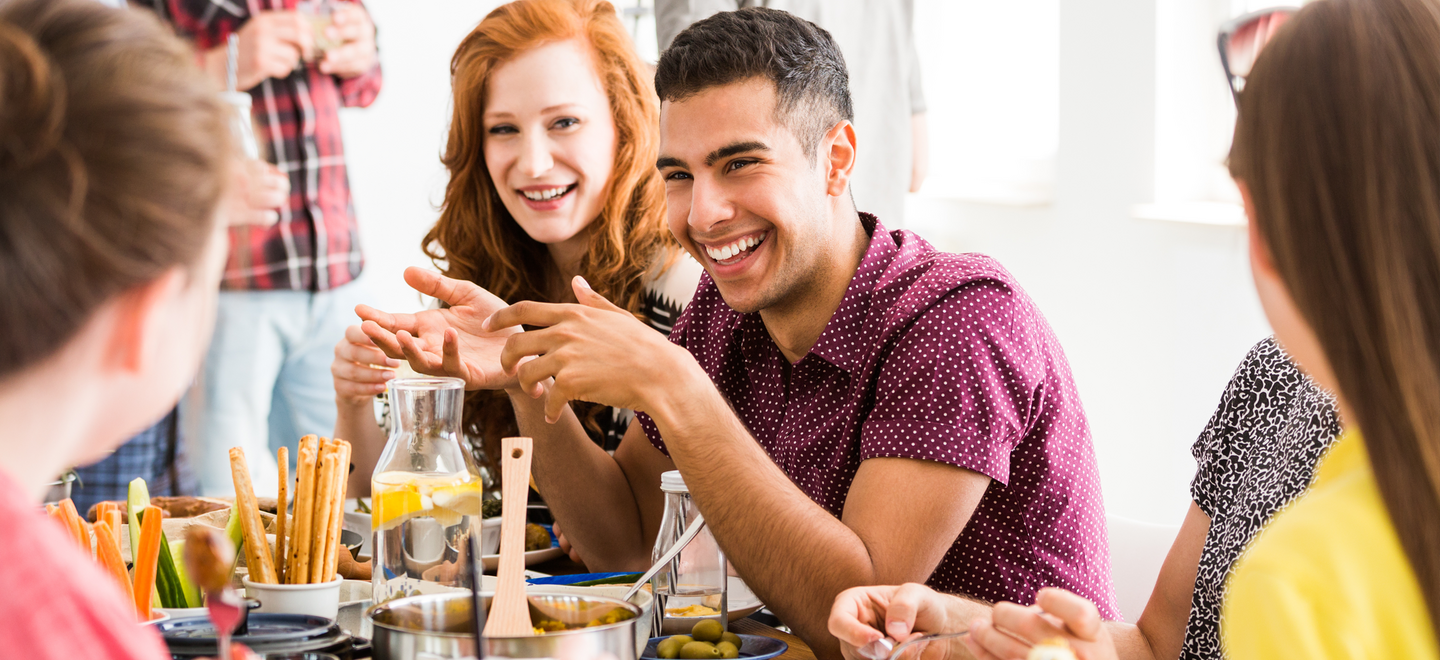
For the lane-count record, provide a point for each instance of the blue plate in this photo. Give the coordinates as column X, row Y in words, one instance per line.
column 753, row 647
column 578, row 577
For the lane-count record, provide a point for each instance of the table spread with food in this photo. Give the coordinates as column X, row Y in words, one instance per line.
column 402, row 573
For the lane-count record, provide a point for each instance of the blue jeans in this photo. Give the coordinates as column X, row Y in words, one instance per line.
column 266, row 380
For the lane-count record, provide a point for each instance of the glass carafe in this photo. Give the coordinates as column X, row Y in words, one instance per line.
column 424, row 498
column 694, row 587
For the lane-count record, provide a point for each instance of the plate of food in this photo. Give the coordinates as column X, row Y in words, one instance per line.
column 724, row 645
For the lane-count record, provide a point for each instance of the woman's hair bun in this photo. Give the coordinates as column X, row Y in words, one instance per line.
column 32, row 101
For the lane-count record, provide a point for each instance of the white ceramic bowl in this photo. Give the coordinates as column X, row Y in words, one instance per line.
column 321, row 599
column 490, row 536
column 183, row 612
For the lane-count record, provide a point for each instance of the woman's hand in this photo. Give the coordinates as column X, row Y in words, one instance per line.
column 904, row 612
column 1056, row 613
column 445, row 342
column 359, row 368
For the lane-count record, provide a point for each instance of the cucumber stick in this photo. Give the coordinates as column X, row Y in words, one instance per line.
column 138, row 500
column 237, row 536
column 192, row 592
column 168, row 586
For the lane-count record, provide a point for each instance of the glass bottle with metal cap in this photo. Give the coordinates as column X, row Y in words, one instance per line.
column 694, row 587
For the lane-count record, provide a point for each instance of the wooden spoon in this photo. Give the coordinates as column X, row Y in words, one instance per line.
column 509, row 614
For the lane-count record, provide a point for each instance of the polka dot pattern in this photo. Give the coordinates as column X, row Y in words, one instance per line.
column 931, row 356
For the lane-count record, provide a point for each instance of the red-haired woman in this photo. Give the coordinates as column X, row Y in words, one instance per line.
column 552, row 174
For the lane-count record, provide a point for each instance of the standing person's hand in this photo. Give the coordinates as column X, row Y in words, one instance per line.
column 272, row 44
column 351, row 26
column 1013, row 629
column 260, row 190
column 357, row 369
column 904, row 612
column 444, row 342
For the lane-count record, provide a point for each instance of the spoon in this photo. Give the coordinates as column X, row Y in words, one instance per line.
column 695, row 526
column 509, row 614
column 208, row 556
column 885, row 648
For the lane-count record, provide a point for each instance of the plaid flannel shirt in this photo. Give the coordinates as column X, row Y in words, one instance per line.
column 156, row 455
column 316, row 245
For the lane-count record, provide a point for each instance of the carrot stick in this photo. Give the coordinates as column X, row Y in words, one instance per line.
column 107, row 551
column 299, row 569
column 147, row 560
column 114, row 516
column 282, row 459
column 71, row 518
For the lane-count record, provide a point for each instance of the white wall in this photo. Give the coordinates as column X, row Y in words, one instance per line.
column 1154, row 315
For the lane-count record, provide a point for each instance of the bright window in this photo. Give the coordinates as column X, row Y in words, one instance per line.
column 992, row 87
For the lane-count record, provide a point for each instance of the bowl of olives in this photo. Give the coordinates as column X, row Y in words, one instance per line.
column 710, row 641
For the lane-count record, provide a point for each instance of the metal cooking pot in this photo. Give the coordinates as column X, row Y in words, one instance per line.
column 437, row 627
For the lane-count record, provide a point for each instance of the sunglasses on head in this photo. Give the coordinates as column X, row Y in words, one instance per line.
column 1242, row 39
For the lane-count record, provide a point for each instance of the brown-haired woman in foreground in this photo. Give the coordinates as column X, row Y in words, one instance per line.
column 114, row 153
column 1337, row 154
column 552, row 174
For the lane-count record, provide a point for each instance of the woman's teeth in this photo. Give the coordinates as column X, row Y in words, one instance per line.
column 545, row 195
column 727, row 251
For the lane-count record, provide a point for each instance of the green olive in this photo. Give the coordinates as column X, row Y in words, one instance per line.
column 708, row 630
column 669, row 649
column 699, row 651
column 733, row 639
column 683, row 639
column 728, row 650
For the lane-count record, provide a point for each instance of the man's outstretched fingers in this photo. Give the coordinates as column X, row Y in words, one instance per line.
column 590, row 297
column 525, row 312
column 1081, row 616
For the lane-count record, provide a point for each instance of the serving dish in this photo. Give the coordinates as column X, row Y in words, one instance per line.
column 740, row 600
column 752, row 647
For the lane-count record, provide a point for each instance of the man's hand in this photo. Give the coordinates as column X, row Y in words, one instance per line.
column 357, row 369
column 272, row 44
column 260, row 189
column 594, row 350
column 1056, row 613
column 904, row 612
column 445, row 342
column 351, row 26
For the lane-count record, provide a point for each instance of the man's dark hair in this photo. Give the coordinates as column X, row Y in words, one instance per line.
column 812, row 88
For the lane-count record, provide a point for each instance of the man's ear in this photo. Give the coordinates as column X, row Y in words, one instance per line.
column 838, row 149
column 136, row 316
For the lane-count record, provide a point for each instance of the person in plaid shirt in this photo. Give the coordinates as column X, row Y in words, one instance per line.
column 288, row 288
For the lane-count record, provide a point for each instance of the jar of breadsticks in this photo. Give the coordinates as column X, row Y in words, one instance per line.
column 425, row 501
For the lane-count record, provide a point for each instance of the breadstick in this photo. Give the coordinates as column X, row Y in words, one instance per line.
column 282, row 459
column 324, row 491
column 306, row 468
column 257, row 547
column 337, row 521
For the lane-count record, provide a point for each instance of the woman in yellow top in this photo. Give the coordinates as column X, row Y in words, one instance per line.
column 1337, row 153
column 1337, row 156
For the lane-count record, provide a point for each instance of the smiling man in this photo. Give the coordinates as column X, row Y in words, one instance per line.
column 848, row 405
